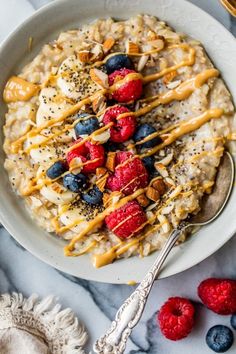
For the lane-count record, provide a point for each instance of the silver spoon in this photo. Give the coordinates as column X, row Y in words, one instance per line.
column 129, row 314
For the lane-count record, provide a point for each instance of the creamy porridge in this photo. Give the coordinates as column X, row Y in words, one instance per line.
column 114, row 133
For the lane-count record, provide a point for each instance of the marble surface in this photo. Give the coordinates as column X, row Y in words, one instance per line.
column 96, row 303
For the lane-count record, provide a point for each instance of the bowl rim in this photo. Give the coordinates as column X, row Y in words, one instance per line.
column 6, row 221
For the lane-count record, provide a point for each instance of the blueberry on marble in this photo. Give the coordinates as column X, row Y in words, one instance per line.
column 56, row 170
column 219, row 338
column 148, row 162
column 75, row 182
column 233, row 321
column 117, row 62
column 86, row 125
column 94, row 196
column 143, row 131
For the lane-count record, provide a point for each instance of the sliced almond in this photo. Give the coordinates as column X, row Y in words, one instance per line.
column 172, row 85
column 76, row 165
column 143, row 200
column 142, row 62
column 169, row 77
column 102, row 138
column 158, row 43
column 99, row 103
column 101, row 171
column 167, row 159
column 164, row 223
column 151, row 35
column 159, row 185
column 111, row 159
column 99, row 77
column 153, row 194
column 84, row 56
column 101, row 182
column 161, row 169
column 97, row 52
column 108, row 44
column 132, row 48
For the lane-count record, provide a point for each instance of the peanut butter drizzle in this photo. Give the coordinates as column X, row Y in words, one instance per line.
column 16, row 146
column 182, row 92
column 185, row 128
column 18, row 89
column 99, row 218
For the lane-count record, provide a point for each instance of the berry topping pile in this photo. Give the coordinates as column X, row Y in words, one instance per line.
column 104, row 155
column 127, row 220
column 176, row 318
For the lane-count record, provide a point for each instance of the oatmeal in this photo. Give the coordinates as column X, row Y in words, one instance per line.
column 114, row 133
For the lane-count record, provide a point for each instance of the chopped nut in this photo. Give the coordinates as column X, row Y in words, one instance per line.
column 173, row 84
column 158, row 43
column 97, row 53
column 101, row 182
column 151, row 35
column 142, row 62
column 143, row 200
column 153, row 194
column 164, row 223
column 108, row 44
column 99, row 77
column 84, row 56
column 102, row 138
column 58, row 188
column 167, row 159
column 99, row 103
column 159, row 185
column 106, row 199
column 161, row 169
column 111, row 159
column 100, row 171
column 169, row 77
column 132, row 48
column 163, row 63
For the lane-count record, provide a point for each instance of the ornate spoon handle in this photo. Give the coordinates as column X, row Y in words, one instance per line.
column 129, row 314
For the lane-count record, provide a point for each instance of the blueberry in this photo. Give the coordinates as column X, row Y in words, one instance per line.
column 142, row 132
column 117, row 62
column 110, row 146
column 94, row 196
column 233, row 321
column 56, row 170
column 86, row 125
column 219, row 338
column 149, row 163
column 75, row 182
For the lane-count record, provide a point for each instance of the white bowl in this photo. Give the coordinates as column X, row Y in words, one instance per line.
column 45, row 25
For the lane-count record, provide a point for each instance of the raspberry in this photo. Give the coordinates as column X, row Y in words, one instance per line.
column 176, row 318
column 87, row 152
column 123, row 128
column 129, row 91
column 130, row 174
column 127, row 220
column 219, row 295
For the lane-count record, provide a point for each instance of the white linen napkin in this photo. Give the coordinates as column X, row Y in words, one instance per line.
column 30, row 326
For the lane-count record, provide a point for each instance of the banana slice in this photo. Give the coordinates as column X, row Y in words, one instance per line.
column 42, row 154
column 50, row 106
column 70, row 216
column 57, row 198
column 75, row 81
